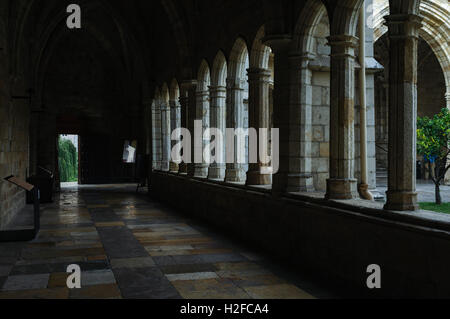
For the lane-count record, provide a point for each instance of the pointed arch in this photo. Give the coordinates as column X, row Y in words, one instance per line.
column 165, row 95
column 174, row 91
column 219, row 70
column 203, row 77
column 260, row 53
column 310, row 17
column 238, row 62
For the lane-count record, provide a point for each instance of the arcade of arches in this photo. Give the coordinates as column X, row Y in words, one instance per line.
column 344, row 88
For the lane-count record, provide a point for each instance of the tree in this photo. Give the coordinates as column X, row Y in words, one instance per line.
column 433, row 141
column 68, row 161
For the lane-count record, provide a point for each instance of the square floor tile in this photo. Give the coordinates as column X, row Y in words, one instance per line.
column 26, row 282
column 97, row 277
column 143, row 262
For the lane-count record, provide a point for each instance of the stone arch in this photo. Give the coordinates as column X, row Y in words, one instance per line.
column 404, row 6
column 436, row 27
column 260, row 54
column 165, row 95
column 203, row 77
column 219, row 70
column 174, row 91
column 238, row 61
column 310, row 17
column 165, row 127
column 344, row 17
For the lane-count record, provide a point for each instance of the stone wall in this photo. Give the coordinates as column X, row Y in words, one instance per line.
column 335, row 241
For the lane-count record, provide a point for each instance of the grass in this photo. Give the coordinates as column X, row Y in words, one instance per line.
column 444, row 208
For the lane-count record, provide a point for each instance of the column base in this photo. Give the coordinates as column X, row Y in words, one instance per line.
column 341, row 189
column 401, row 201
column 183, row 169
column 216, row 173
column 257, row 178
column 201, row 171
column 292, row 183
column 173, row 167
column 234, row 175
column 165, row 167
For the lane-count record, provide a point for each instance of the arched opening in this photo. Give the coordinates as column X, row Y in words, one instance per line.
column 175, row 118
column 237, row 109
column 203, row 109
column 218, row 99
column 156, row 131
column 165, row 127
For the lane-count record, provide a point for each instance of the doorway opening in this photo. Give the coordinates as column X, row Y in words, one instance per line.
column 68, row 160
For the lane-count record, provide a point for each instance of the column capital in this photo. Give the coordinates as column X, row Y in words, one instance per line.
column 343, row 46
column 280, row 42
column 188, row 84
column 301, row 59
column 402, row 26
column 259, row 74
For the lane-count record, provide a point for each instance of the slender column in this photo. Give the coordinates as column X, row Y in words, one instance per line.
column 234, row 172
column 165, row 135
column 342, row 184
column 202, row 114
column 218, row 96
column 184, row 101
column 403, row 36
column 175, row 117
column 287, row 177
column 259, row 118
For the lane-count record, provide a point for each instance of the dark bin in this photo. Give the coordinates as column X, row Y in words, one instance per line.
column 44, row 181
column 419, row 170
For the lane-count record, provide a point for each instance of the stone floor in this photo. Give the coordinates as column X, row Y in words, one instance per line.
column 131, row 247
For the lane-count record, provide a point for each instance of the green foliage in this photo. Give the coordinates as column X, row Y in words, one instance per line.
column 68, row 161
column 433, row 135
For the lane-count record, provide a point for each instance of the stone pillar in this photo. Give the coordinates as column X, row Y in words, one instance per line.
column 165, row 137
column 184, row 101
column 259, row 118
column 287, row 179
column 218, row 96
column 403, row 36
column 190, row 89
column 342, row 183
column 202, row 114
column 301, row 122
column 234, row 172
column 175, row 110
column 156, row 115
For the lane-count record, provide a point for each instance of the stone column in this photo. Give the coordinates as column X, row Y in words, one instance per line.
column 190, row 88
column 165, row 136
column 234, row 172
column 342, row 183
column 287, row 179
column 184, row 101
column 218, row 96
column 202, row 114
column 301, row 122
column 403, row 36
column 175, row 116
column 157, row 149
column 259, row 118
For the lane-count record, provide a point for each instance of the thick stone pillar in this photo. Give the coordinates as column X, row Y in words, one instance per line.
column 287, row 179
column 190, row 89
column 157, row 149
column 342, row 183
column 234, row 172
column 301, row 122
column 403, row 36
column 218, row 96
column 175, row 117
column 202, row 114
column 165, row 136
column 259, row 118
